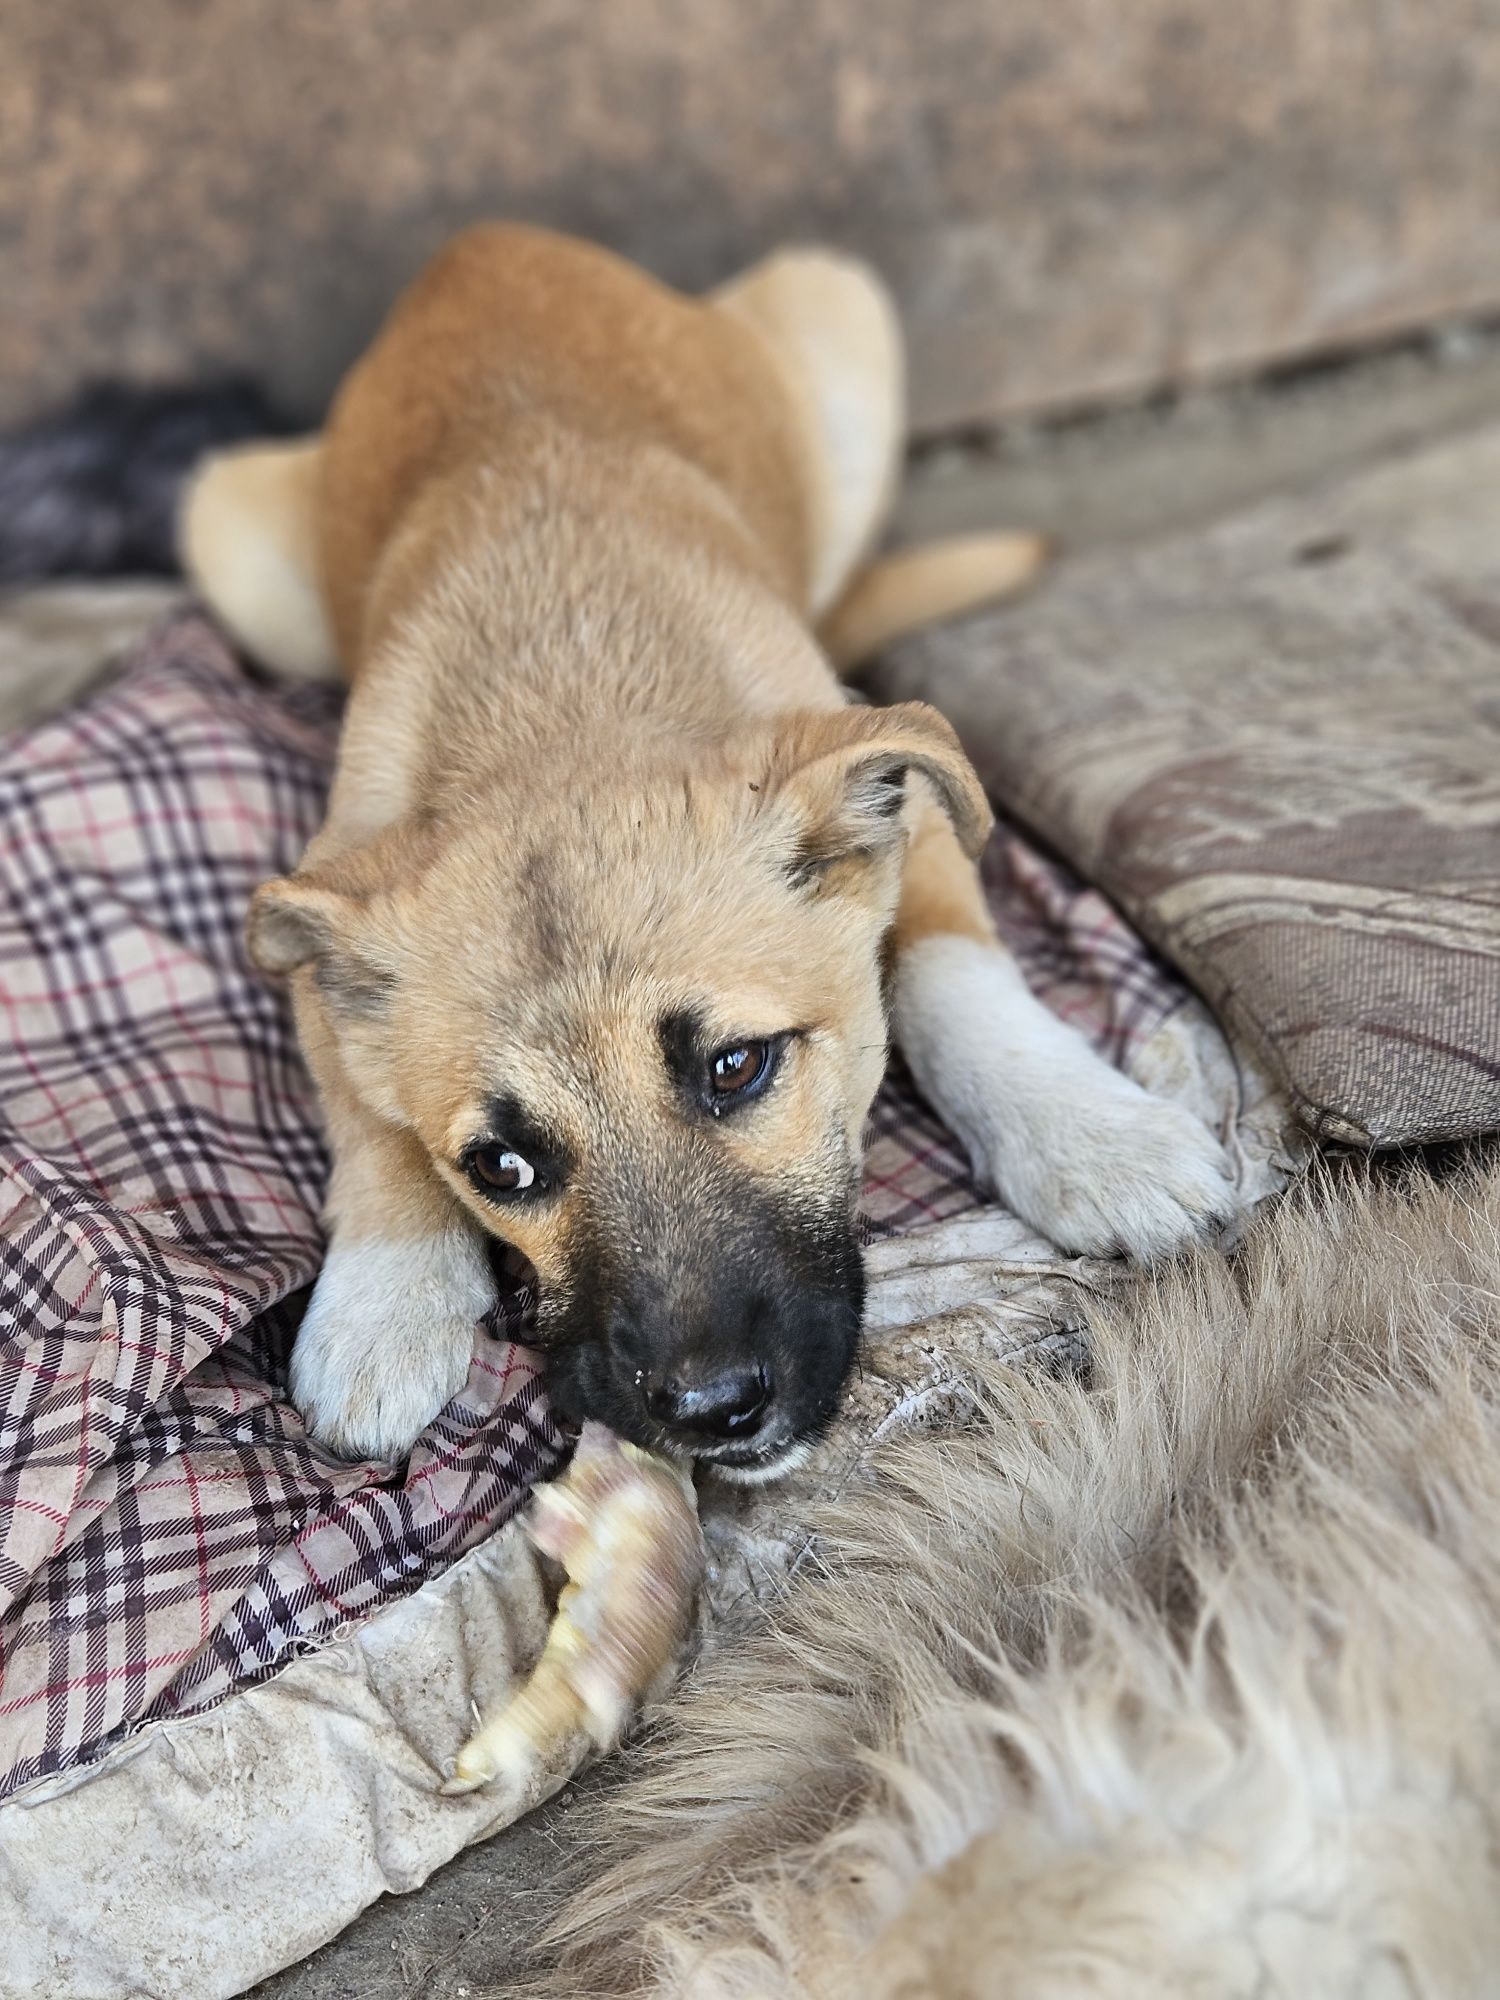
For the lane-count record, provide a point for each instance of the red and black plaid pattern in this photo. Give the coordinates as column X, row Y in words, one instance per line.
column 167, row 1532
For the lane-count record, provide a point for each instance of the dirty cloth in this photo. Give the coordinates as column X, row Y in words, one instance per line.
column 221, row 1648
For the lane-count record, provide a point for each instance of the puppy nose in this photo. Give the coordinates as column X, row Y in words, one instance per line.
column 729, row 1404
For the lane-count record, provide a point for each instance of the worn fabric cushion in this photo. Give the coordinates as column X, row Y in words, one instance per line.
column 1276, row 745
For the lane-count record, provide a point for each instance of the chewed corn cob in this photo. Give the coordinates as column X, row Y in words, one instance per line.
column 624, row 1525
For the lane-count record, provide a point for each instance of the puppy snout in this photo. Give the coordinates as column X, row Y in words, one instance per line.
column 727, row 1402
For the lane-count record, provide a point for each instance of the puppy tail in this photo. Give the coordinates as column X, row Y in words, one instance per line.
column 901, row 593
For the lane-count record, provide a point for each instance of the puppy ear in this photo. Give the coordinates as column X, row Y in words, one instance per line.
column 844, row 776
column 297, row 921
column 291, row 922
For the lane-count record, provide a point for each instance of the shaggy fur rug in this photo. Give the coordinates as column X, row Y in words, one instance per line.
column 1184, row 1680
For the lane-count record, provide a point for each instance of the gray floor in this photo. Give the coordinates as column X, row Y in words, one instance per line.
column 1127, row 476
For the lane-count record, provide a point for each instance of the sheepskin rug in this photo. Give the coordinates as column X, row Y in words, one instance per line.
column 1183, row 1679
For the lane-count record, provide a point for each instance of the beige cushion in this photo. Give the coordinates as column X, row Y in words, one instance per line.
column 1276, row 744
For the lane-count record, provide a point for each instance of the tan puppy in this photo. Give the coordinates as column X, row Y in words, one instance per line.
column 596, row 950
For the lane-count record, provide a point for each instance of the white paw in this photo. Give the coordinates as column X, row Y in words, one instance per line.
column 1075, row 1148
column 1114, row 1171
column 387, row 1339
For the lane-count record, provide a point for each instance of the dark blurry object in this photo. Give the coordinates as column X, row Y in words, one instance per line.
column 92, row 489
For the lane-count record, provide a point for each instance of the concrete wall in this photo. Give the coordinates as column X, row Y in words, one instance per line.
column 1076, row 198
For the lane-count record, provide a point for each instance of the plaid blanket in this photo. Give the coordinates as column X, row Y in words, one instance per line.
column 168, row 1534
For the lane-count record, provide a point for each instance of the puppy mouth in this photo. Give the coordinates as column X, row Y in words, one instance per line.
column 754, row 1463
column 790, row 1315
column 757, row 1464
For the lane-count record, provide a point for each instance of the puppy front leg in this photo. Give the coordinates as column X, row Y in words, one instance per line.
column 1072, row 1145
column 389, row 1331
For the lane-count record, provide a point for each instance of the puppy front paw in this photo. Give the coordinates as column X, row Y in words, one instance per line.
column 1113, row 1171
column 386, row 1341
column 1079, row 1151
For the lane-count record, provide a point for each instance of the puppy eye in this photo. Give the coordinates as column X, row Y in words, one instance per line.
column 734, row 1071
column 498, row 1170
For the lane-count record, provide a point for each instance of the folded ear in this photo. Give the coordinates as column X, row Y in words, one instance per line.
column 843, row 774
column 299, row 921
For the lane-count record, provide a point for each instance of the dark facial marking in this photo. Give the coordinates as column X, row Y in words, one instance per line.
column 762, row 1286
column 543, row 904
column 352, row 988
column 684, row 1038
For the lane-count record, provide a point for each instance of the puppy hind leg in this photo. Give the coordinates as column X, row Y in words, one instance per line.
column 1077, row 1149
column 831, row 329
column 248, row 535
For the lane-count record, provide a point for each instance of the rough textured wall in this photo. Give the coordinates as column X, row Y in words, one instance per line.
column 1075, row 197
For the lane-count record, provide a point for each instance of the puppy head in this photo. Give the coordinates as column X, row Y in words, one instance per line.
column 635, row 1015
